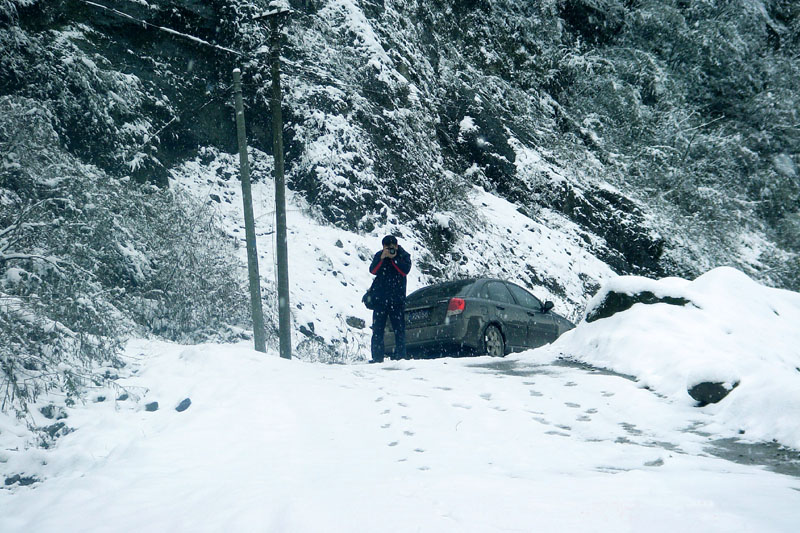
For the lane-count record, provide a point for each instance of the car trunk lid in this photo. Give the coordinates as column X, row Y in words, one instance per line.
column 426, row 314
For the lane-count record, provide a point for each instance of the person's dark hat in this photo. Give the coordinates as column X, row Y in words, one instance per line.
column 389, row 239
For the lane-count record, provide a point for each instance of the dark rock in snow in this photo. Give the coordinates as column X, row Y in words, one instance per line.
column 616, row 302
column 22, row 480
column 122, row 397
column 52, row 412
column 308, row 329
column 215, row 198
column 355, row 322
column 184, row 405
column 710, row 392
column 152, row 406
column 59, row 429
column 55, row 428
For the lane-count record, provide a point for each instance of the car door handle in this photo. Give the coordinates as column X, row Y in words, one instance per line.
column 500, row 307
column 531, row 314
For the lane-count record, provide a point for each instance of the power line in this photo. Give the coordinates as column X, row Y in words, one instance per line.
column 329, row 80
column 146, row 24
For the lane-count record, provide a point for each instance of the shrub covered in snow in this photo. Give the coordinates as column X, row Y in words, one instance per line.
column 85, row 258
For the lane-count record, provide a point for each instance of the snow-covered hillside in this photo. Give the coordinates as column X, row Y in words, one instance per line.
column 328, row 266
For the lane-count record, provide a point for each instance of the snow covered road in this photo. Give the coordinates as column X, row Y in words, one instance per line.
column 473, row 444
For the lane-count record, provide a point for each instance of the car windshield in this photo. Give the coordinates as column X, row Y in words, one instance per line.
column 442, row 290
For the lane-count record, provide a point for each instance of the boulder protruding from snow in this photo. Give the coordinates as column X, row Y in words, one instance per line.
column 710, row 392
column 616, row 302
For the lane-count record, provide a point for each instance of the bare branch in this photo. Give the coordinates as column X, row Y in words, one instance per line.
column 33, row 257
column 17, row 223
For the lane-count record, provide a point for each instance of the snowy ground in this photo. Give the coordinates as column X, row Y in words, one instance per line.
column 470, row 444
column 530, row 442
column 527, row 442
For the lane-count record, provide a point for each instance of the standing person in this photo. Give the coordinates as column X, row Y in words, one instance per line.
column 390, row 266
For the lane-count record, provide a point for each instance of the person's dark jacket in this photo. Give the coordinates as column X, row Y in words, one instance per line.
column 390, row 281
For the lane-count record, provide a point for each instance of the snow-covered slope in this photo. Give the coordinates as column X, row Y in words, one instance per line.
column 328, row 266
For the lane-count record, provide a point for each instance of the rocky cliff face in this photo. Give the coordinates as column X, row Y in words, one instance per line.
column 655, row 126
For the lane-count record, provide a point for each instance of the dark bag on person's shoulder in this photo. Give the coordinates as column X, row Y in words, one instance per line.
column 369, row 299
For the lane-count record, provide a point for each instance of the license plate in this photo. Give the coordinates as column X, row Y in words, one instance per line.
column 418, row 315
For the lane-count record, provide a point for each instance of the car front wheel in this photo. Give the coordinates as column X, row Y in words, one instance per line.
column 493, row 343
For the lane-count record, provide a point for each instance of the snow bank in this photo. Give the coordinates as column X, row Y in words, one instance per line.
column 734, row 331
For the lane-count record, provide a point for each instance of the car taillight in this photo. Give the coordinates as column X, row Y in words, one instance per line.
column 455, row 306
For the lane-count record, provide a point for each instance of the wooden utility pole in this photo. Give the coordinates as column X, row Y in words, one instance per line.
column 284, row 317
column 259, row 332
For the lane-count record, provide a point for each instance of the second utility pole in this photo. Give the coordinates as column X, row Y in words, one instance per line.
column 284, row 316
column 249, row 223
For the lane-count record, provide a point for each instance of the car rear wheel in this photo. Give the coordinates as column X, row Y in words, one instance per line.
column 493, row 343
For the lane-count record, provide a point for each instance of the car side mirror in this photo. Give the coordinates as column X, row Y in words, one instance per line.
column 548, row 305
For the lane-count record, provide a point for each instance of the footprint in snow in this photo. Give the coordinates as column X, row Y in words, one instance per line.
column 631, row 429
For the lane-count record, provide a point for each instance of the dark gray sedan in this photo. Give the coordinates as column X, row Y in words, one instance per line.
column 483, row 316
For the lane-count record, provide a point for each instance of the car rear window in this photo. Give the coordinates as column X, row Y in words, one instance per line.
column 442, row 290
